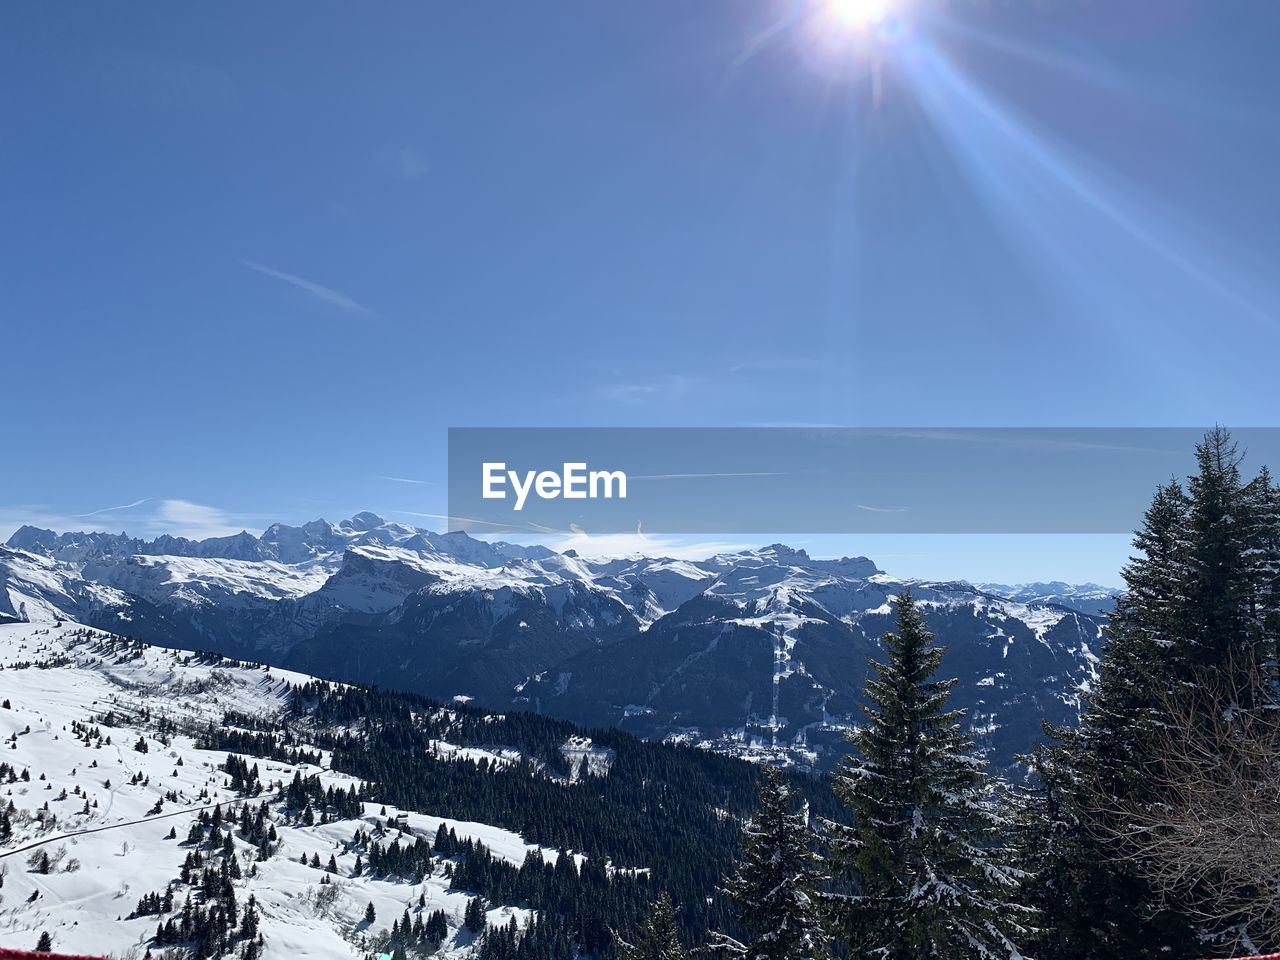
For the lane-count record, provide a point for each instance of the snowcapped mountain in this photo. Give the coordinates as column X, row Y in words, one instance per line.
column 1085, row 597
column 771, row 658
column 761, row 652
column 284, row 544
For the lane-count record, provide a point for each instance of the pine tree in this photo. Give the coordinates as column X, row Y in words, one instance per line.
column 658, row 936
column 45, row 943
column 1062, row 877
column 1264, row 545
column 370, row 915
column 474, row 916
column 775, row 881
column 1219, row 590
column 1200, row 605
column 920, row 859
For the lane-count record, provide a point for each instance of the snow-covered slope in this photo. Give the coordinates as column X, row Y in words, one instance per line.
column 100, row 770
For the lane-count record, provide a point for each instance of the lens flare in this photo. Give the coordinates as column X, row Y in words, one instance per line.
column 858, row 14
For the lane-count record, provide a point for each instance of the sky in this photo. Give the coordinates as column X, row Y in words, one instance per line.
column 258, row 258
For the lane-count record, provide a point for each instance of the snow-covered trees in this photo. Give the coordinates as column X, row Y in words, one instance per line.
column 921, row 860
column 658, row 937
column 776, row 880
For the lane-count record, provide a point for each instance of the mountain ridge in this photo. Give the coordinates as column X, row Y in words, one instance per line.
column 760, row 652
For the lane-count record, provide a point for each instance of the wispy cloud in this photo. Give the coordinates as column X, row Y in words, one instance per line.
column 123, row 506
column 380, row 476
column 869, row 509
column 642, row 544
column 35, row 515
column 142, row 518
column 675, row 385
column 589, row 545
column 318, row 290
column 182, row 518
column 467, row 523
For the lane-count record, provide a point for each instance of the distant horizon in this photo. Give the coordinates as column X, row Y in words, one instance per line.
column 1007, row 559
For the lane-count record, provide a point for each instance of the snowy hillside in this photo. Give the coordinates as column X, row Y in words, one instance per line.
column 103, row 778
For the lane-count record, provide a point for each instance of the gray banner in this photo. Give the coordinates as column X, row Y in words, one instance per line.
column 818, row 480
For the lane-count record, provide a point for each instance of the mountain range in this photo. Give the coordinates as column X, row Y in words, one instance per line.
column 760, row 653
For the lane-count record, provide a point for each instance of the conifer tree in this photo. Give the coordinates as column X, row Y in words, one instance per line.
column 1219, row 591
column 474, row 916
column 776, row 879
column 1095, row 905
column 658, row 937
column 1062, row 877
column 1200, row 606
column 924, row 875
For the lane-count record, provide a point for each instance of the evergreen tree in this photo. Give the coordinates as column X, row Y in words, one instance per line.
column 45, row 943
column 370, row 915
column 924, row 876
column 1062, row 877
column 1219, row 597
column 473, row 917
column 658, row 936
column 775, row 881
column 1200, row 605
column 1264, row 545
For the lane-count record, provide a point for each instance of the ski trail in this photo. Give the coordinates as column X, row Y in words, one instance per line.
column 110, row 826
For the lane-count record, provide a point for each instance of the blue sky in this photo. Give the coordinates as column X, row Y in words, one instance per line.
column 256, row 259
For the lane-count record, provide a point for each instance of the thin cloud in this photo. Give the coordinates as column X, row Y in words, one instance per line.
column 330, row 296
column 179, row 518
column 182, row 518
column 14, row 517
column 460, row 521
column 611, row 545
column 869, row 509
column 123, row 506
column 676, row 385
column 380, row 476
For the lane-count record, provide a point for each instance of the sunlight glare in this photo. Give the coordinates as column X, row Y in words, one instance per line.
column 858, row 14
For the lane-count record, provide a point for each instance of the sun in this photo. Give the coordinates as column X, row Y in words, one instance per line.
column 858, row 14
